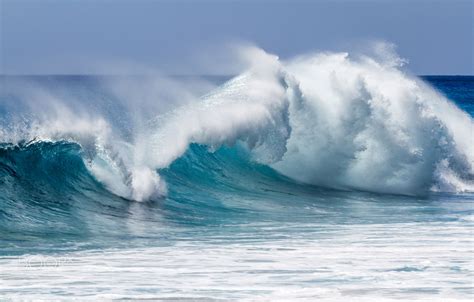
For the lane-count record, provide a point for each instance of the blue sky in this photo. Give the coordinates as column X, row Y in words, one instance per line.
column 73, row 36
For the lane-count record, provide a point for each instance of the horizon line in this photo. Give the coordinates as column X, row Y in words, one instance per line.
column 178, row 75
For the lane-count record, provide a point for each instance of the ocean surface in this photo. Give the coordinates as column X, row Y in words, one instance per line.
column 324, row 179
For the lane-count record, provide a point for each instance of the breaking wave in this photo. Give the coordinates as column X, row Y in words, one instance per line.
column 325, row 119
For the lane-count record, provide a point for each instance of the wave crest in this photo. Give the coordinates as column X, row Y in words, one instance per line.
column 325, row 119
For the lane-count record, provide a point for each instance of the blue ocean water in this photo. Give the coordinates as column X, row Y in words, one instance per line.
column 222, row 218
column 457, row 88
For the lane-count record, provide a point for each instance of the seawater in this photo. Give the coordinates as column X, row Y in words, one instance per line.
column 328, row 178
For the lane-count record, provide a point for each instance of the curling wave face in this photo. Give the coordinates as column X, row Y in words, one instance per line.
column 326, row 119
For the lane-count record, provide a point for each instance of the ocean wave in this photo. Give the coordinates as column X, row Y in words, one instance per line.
column 326, row 119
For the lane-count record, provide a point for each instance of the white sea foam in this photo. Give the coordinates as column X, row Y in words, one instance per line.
column 361, row 262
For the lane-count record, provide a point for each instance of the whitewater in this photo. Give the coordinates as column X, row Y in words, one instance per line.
column 327, row 175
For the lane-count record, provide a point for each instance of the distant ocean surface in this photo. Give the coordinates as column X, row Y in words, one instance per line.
column 340, row 181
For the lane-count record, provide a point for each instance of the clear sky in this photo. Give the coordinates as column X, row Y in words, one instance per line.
column 74, row 36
